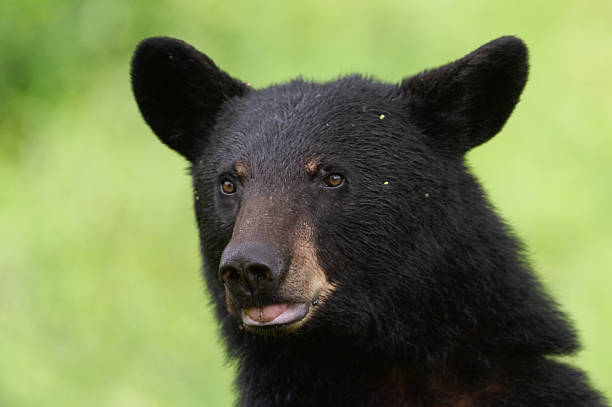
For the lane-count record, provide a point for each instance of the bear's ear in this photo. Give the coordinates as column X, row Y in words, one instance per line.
column 179, row 92
column 464, row 103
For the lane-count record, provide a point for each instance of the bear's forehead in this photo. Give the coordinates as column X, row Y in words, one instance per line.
column 301, row 120
column 336, row 99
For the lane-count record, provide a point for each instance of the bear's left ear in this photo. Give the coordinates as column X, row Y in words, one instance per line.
column 180, row 91
column 464, row 103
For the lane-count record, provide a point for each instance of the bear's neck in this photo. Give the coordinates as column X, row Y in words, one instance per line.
column 292, row 376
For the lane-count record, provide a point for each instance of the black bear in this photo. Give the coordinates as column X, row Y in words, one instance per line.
column 351, row 257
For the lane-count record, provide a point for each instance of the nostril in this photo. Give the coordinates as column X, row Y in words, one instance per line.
column 259, row 272
column 257, row 276
column 229, row 273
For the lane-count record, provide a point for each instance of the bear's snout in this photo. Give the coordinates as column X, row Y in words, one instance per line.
column 251, row 268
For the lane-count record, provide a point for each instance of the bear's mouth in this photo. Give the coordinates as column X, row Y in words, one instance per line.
column 275, row 315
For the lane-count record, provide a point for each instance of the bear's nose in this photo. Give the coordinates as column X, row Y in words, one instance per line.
column 250, row 268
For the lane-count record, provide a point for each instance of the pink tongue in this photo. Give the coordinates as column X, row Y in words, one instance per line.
column 267, row 313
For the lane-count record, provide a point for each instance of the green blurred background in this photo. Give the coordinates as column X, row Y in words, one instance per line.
column 101, row 303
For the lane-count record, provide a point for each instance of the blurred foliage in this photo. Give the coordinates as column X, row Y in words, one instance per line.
column 101, row 302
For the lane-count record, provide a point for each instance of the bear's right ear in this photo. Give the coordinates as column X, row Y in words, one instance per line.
column 179, row 92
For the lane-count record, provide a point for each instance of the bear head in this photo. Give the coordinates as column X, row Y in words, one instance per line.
column 344, row 210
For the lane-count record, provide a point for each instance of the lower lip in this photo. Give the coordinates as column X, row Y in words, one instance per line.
column 294, row 313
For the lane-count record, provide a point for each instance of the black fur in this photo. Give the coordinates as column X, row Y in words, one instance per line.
column 179, row 91
column 465, row 103
column 434, row 303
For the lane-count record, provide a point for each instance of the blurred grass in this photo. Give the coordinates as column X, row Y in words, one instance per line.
column 101, row 302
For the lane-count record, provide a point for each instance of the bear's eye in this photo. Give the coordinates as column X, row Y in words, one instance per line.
column 334, row 180
column 227, row 187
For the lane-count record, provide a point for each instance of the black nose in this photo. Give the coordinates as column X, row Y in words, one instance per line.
column 250, row 268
